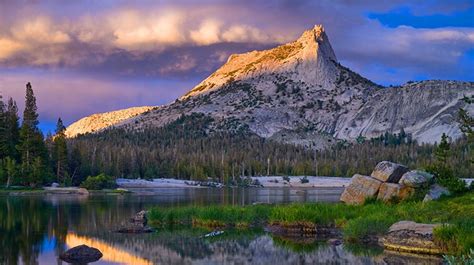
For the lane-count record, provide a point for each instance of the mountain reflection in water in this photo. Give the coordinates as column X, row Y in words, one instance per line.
column 36, row 229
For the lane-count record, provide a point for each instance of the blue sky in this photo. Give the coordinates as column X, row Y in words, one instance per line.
column 84, row 57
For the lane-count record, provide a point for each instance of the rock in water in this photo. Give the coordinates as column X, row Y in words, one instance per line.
column 388, row 191
column 435, row 192
column 140, row 218
column 408, row 236
column 136, row 225
column 81, row 255
column 360, row 188
column 389, row 172
column 416, row 178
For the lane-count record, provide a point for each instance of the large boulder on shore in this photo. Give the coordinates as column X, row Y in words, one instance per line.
column 360, row 188
column 388, row 191
column 435, row 192
column 416, row 178
column 387, row 171
column 408, row 236
column 82, row 254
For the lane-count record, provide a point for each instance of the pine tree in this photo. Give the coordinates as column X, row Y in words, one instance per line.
column 11, row 170
column 32, row 147
column 467, row 127
column 3, row 139
column 443, row 150
column 60, row 153
column 12, row 130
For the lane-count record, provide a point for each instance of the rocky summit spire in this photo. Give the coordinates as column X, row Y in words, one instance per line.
column 309, row 59
column 317, row 36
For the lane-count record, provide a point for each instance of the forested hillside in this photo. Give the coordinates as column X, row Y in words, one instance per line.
column 192, row 147
column 189, row 149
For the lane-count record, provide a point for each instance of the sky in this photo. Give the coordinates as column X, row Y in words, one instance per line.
column 86, row 56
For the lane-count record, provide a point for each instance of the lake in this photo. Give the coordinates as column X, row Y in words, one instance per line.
column 35, row 229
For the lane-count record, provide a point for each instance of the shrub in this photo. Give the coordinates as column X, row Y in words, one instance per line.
column 444, row 176
column 99, row 182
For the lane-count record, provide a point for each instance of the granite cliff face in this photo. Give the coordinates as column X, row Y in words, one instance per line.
column 100, row 121
column 299, row 93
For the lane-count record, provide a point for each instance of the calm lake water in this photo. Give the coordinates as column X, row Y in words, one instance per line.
column 36, row 229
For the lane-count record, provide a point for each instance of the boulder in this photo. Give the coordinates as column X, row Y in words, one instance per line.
column 54, row 185
column 360, row 188
column 388, row 191
column 136, row 225
column 435, row 192
column 82, row 254
column 408, row 236
column 416, row 178
column 140, row 218
column 386, row 171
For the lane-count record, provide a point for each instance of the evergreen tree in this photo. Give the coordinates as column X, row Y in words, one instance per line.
column 443, row 150
column 11, row 170
column 3, row 140
column 32, row 147
column 60, row 153
column 467, row 127
column 12, row 130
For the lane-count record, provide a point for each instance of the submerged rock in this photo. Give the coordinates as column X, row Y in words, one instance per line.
column 389, row 172
column 435, row 192
column 388, row 191
column 408, row 236
column 416, row 178
column 360, row 188
column 82, row 254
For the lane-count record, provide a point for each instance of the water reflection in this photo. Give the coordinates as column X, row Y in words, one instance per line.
column 36, row 229
column 110, row 252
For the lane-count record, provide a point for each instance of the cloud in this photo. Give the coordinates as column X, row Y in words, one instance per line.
column 244, row 33
column 48, row 40
column 133, row 31
column 208, row 32
column 39, row 30
column 187, row 40
column 9, row 47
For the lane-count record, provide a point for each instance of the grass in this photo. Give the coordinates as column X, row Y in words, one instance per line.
column 357, row 222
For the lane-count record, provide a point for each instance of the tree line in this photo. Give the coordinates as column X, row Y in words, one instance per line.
column 26, row 157
column 192, row 148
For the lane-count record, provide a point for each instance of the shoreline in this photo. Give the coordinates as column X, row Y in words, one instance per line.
column 133, row 186
column 259, row 181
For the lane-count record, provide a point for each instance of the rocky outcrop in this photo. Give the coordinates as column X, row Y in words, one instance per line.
column 389, row 172
column 66, row 190
column 416, row 179
column 408, row 236
column 388, row 182
column 360, row 188
column 435, row 192
column 82, row 254
column 100, row 121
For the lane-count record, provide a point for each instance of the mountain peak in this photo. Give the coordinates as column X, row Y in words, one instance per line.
column 317, row 37
column 309, row 59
